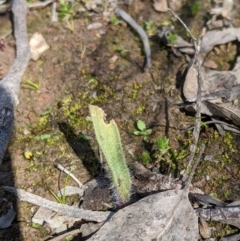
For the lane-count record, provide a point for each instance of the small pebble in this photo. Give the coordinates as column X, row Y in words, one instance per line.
column 94, row 26
column 94, row 94
column 208, row 158
column 113, row 59
column 118, row 87
column 210, row 64
column 102, row 31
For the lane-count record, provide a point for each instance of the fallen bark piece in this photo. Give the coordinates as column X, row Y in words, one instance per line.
column 224, row 110
column 57, row 223
column 218, row 37
column 63, row 209
column 225, row 10
column 70, row 191
column 204, row 229
column 215, row 84
column 65, row 235
column 227, row 214
column 87, row 229
column 235, row 237
column 163, row 216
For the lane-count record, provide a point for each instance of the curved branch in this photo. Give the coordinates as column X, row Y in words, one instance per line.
column 10, row 85
column 140, row 31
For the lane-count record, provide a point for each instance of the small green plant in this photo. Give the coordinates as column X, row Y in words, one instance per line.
column 150, row 27
column 162, row 146
column 145, row 158
column 63, row 198
column 166, row 23
column 162, row 155
column 36, row 225
column 66, row 12
column 66, row 9
column 142, row 129
column 195, row 8
column 43, row 137
column 114, row 20
column 118, row 48
column 172, row 37
column 69, row 238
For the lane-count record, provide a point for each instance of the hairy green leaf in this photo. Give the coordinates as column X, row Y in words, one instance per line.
column 109, row 140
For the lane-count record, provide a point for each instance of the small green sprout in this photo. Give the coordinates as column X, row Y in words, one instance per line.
column 166, row 23
column 150, row 27
column 66, row 13
column 162, row 145
column 145, row 158
column 43, row 137
column 118, row 48
column 63, row 198
column 195, row 9
column 47, row 112
column 163, row 155
column 36, row 225
column 142, row 129
column 66, row 10
column 28, row 84
column 69, row 238
column 172, row 37
column 84, row 137
column 114, row 20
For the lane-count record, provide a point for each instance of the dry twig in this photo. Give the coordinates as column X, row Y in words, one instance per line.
column 63, row 209
column 61, row 168
column 197, row 126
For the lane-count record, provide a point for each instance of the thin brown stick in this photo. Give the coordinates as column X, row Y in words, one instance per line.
column 197, row 125
column 184, row 25
column 196, row 164
column 63, row 169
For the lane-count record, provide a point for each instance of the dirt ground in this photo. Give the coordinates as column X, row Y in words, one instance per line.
column 83, row 67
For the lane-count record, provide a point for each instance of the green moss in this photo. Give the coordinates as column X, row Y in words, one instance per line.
column 140, row 109
column 136, row 88
column 145, row 158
